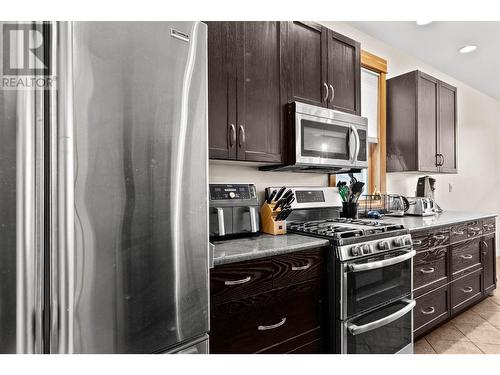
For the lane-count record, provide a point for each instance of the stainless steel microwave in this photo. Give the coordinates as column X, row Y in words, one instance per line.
column 324, row 140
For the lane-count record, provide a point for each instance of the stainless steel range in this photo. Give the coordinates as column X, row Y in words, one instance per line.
column 370, row 279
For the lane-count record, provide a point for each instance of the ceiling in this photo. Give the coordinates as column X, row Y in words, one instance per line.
column 438, row 43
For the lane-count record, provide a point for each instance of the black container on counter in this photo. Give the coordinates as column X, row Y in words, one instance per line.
column 349, row 210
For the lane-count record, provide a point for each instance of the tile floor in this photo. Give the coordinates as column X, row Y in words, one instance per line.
column 475, row 331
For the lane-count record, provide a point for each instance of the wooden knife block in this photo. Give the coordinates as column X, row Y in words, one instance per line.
column 268, row 222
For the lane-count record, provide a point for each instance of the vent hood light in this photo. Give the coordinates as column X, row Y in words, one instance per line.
column 422, row 23
column 467, row 49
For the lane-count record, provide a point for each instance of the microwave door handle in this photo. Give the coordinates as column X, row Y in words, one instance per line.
column 358, row 144
column 357, row 330
column 352, row 133
column 382, row 263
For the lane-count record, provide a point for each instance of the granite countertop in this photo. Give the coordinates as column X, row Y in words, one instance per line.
column 263, row 245
column 414, row 223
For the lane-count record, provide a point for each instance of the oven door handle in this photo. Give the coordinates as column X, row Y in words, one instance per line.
column 381, row 263
column 357, row 330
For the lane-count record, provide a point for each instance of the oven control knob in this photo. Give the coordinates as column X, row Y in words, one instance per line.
column 398, row 242
column 367, row 249
column 384, row 245
column 356, row 250
column 232, row 194
column 408, row 241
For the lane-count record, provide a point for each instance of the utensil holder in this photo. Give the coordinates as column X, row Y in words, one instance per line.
column 349, row 210
column 268, row 220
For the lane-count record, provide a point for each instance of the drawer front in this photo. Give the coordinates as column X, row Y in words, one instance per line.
column 265, row 320
column 459, row 232
column 306, row 343
column 466, row 291
column 465, row 257
column 475, row 228
column 297, row 267
column 430, row 309
column 429, row 270
column 420, row 240
column 440, row 237
column 239, row 280
column 489, row 225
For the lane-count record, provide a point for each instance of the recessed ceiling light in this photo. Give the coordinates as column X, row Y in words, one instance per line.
column 422, row 23
column 467, row 49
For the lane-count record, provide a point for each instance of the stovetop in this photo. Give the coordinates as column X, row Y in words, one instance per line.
column 355, row 238
column 341, row 228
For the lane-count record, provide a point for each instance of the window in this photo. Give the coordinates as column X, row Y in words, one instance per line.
column 373, row 77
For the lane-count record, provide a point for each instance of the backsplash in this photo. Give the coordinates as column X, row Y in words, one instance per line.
column 241, row 172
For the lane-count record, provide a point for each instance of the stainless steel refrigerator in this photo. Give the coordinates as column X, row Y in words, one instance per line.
column 103, row 189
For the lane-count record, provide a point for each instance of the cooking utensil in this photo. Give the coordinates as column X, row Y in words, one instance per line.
column 270, row 198
column 279, row 203
column 280, row 193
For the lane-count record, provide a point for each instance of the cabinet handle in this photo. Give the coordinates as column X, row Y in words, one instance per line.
column 417, row 242
column 428, row 312
column 243, row 137
column 466, row 256
column 485, row 246
column 459, row 233
column 442, row 160
column 439, row 237
column 467, row 289
column 301, row 268
column 272, row 326
column 438, row 160
column 238, row 282
column 333, row 93
column 325, row 98
column 232, row 136
column 427, row 270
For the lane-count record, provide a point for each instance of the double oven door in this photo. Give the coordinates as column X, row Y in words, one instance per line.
column 375, row 310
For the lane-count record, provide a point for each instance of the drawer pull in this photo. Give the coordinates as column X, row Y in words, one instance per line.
column 466, row 256
column 430, row 311
column 475, row 229
column 238, row 282
column 301, row 268
column 459, row 233
column 467, row 289
column 427, row 270
column 439, row 237
column 272, row 326
column 417, row 242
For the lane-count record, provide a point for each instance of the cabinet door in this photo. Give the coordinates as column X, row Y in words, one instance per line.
column 259, row 109
column 489, row 262
column 221, row 90
column 447, row 127
column 427, row 123
column 304, row 62
column 344, row 73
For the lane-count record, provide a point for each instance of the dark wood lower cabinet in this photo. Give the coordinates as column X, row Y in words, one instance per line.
column 279, row 310
column 454, row 268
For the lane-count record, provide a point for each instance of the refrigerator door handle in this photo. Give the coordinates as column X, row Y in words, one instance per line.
column 63, row 217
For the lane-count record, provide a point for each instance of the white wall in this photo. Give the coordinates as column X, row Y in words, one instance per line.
column 473, row 188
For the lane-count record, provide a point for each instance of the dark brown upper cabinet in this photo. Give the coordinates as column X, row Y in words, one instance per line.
column 421, row 124
column 245, row 113
column 321, row 67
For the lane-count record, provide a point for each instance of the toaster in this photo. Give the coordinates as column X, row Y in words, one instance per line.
column 419, row 206
column 233, row 211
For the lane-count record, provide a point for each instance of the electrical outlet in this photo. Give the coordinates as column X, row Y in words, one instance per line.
column 450, row 188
